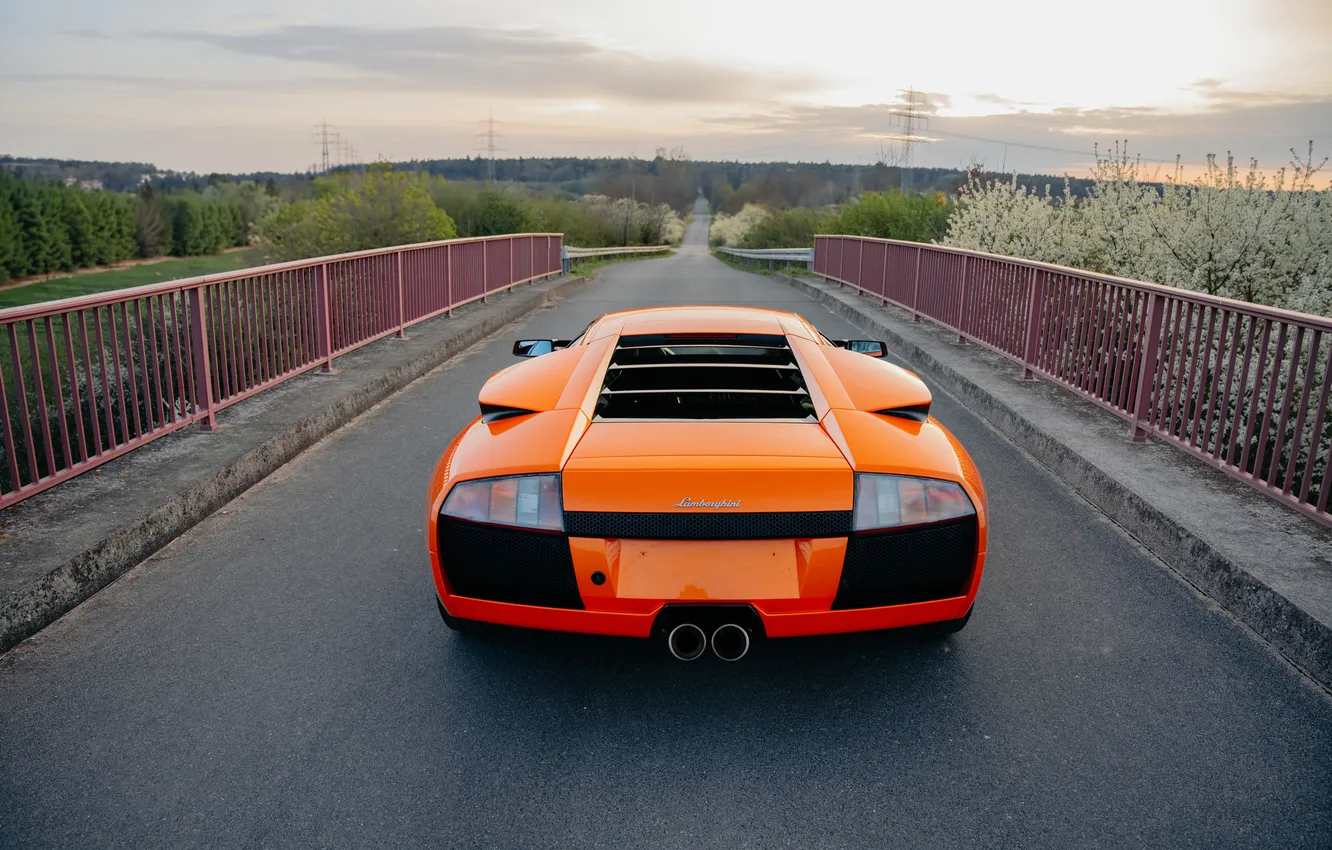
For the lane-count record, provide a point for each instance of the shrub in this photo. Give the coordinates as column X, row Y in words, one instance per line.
column 376, row 210
column 793, row 228
column 893, row 215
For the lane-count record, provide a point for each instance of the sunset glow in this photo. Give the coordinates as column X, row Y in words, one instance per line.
column 1032, row 86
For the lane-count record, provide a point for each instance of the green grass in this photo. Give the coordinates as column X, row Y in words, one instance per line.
column 85, row 284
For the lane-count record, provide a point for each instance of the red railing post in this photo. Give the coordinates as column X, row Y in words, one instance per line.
column 1147, row 367
column 323, row 319
column 448, row 276
column 962, row 305
column 915, row 290
column 513, row 273
column 1035, row 300
column 860, row 265
column 203, row 373
column 485, row 275
column 883, row 284
column 402, row 292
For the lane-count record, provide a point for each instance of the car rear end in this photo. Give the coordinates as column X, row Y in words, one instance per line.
column 706, row 493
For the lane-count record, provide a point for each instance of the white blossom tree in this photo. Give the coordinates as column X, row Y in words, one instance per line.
column 1231, row 232
column 730, row 230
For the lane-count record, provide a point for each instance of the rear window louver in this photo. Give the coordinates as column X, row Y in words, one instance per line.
column 681, row 376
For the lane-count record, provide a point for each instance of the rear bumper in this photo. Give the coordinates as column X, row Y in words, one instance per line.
column 639, row 624
column 617, row 586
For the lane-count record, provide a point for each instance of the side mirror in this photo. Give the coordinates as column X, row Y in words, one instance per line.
column 872, row 347
column 538, row 347
column 533, row 347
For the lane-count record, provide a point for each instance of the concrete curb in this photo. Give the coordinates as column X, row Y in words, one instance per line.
column 1300, row 637
column 36, row 605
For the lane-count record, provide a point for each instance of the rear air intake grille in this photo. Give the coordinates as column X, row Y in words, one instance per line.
column 915, row 565
column 508, row 565
column 736, row 376
column 708, row 526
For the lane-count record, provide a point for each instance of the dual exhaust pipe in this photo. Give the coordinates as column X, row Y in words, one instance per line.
column 688, row 641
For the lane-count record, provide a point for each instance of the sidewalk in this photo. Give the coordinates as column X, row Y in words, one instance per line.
column 1269, row 566
column 63, row 545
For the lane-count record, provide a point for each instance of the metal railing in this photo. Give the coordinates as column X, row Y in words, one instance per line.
column 87, row 379
column 1241, row 386
column 771, row 255
column 570, row 255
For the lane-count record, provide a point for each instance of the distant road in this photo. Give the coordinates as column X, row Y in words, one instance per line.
column 279, row 677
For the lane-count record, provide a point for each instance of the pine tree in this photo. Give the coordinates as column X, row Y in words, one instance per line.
column 33, row 238
column 152, row 225
column 124, row 227
column 9, row 236
column 60, row 248
column 82, row 231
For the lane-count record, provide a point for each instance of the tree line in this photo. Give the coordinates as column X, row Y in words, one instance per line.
column 47, row 226
column 386, row 205
column 889, row 214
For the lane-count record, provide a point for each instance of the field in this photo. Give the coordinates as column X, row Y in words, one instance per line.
column 84, row 284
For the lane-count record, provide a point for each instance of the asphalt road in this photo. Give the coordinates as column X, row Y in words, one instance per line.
column 279, row 677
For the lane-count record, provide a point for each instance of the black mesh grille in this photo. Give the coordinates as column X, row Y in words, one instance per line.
column 708, row 526
column 508, row 565
column 916, row 565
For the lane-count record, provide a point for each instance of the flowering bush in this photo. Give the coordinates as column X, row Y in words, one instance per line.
column 1228, row 232
column 730, row 230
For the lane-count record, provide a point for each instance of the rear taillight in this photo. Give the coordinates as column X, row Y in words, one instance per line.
column 525, row 501
column 891, row 501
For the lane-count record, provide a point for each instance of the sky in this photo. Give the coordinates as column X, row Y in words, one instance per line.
column 1027, row 85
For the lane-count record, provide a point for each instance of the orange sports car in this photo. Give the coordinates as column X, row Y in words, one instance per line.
column 710, row 476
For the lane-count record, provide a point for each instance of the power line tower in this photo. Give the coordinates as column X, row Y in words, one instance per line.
column 911, row 115
column 326, row 136
column 347, row 157
column 490, row 136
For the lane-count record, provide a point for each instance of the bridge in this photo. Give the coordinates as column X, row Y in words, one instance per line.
column 277, row 675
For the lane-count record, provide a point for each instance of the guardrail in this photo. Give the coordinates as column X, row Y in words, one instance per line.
column 569, row 255
column 1240, row 386
column 772, row 255
column 85, row 380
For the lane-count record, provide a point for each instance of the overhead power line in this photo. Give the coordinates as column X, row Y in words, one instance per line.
column 1007, row 142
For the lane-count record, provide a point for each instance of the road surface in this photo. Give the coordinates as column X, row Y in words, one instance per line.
column 279, row 677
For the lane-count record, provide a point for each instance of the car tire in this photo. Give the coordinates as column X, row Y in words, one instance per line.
column 464, row 627
column 952, row 627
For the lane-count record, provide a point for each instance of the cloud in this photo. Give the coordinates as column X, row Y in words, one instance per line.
column 524, row 63
column 1002, row 102
column 1258, row 125
column 1220, row 96
column 171, row 84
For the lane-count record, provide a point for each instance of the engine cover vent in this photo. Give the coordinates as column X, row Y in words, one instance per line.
column 685, row 376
